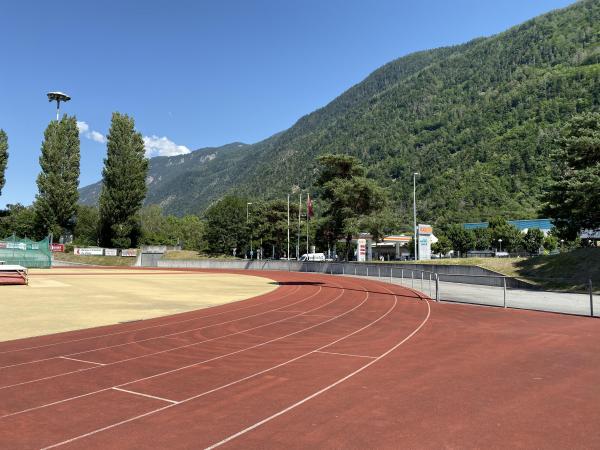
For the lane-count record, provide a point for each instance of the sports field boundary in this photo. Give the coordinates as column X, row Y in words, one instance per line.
column 480, row 286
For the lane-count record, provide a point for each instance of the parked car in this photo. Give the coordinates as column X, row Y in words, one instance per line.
column 313, row 257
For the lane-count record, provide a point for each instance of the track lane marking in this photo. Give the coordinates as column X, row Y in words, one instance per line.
column 145, row 395
column 326, row 388
column 347, row 354
column 156, row 337
column 226, row 385
column 158, row 325
column 82, row 360
column 174, row 370
column 162, row 351
column 236, row 381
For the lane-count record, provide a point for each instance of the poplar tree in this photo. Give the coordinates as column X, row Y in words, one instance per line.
column 55, row 205
column 3, row 157
column 124, row 184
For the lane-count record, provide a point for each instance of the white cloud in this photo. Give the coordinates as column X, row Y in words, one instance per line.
column 84, row 130
column 163, row 146
column 155, row 146
column 82, row 126
column 98, row 137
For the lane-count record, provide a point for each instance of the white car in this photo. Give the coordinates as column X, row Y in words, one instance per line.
column 313, row 257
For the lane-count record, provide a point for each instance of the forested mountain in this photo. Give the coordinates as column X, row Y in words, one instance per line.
column 476, row 120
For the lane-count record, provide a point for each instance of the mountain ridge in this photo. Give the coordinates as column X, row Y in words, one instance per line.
column 477, row 120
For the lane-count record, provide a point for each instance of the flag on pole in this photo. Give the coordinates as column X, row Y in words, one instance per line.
column 309, row 207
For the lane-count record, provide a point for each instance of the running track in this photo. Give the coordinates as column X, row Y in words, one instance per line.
column 322, row 361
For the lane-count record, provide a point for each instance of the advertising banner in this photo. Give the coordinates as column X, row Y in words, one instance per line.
column 424, row 241
column 361, row 251
column 131, row 252
column 57, row 247
column 110, row 252
column 89, row 251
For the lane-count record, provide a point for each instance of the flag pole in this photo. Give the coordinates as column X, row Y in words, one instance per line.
column 307, row 219
column 299, row 212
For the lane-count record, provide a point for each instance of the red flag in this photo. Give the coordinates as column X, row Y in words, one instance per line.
column 309, row 207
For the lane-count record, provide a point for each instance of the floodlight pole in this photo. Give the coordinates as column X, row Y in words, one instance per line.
column 415, row 211
column 58, row 97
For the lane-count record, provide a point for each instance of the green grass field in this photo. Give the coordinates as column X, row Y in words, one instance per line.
column 95, row 260
column 570, row 270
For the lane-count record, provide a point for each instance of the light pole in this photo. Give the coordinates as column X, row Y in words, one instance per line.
column 562, row 241
column 415, row 210
column 500, row 242
column 247, row 219
column 58, row 97
column 288, row 230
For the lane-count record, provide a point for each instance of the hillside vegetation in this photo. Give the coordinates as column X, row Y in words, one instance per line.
column 476, row 120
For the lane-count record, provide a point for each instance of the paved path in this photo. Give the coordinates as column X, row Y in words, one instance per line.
column 560, row 302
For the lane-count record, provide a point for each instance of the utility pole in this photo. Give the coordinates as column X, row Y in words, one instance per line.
column 299, row 214
column 415, row 211
column 307, row 219
column 247, row 220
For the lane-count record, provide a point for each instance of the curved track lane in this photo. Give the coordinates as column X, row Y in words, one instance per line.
column 257, row 355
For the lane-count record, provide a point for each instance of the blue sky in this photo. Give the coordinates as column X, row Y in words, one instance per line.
column 196, row 73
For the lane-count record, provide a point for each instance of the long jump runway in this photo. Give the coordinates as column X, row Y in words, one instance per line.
column 322, row 361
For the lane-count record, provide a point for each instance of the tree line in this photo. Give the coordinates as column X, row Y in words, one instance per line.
column 346, row 202
column 55, row 210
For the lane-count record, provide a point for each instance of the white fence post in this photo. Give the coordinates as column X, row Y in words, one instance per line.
column 591, row 299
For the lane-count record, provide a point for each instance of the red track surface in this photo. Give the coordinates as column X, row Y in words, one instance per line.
column 323, row 362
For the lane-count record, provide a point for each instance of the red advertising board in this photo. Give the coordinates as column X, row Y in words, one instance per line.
column 57, row 247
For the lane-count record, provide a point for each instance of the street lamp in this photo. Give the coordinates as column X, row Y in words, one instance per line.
column 562, row 241
column 415, row 210
column 500, row 242
column 247, row 217
column 58, row 97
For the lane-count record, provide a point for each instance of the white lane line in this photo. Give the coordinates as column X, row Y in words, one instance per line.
column 131, row 419
column 146, row 395
column 167, row 350
column 155, row 326
column 82, row 360
column 174, row 370
column 325, row 389
column 158, row 337
column 348, row 354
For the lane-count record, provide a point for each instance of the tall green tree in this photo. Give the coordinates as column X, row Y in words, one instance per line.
column 56, row 203
column 512, row 238
column 19, row 220
column 573, row 199
column 462, row 240
column 350, row 197
column 124, row 184
column 226, row 226
column 533, row 240
column 3, row 157
column 86, row 227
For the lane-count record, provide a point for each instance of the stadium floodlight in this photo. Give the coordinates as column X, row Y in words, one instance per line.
column 58, row 97
column 415, row 211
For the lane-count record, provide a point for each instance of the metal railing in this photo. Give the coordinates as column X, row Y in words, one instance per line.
column 481, row 289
